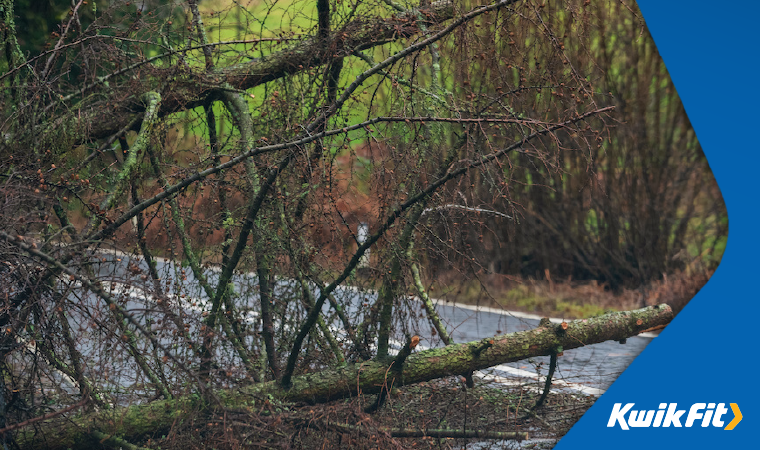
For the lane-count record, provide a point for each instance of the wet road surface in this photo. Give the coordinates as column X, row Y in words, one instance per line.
column 589, row 370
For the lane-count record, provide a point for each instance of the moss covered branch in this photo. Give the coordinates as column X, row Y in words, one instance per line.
column 140, row 421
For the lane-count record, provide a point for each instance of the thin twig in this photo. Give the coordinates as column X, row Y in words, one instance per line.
column 44, row 417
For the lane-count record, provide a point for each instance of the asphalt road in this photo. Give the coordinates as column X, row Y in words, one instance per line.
column 589, row 370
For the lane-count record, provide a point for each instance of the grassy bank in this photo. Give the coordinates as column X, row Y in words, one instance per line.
column 566, row 298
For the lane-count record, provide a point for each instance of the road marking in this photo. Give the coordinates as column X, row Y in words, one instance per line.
column 578, row 387
column 518, row 314
column 436, row 302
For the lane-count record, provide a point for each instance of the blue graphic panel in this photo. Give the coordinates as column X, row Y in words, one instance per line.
column 707, row 354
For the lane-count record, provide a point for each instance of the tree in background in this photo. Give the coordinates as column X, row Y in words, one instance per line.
column 643, row 204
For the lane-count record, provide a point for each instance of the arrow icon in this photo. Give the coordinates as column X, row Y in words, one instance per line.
column 737, row 417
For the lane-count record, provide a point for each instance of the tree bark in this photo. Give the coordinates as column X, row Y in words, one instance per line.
column 155, row 418
column 188, row 90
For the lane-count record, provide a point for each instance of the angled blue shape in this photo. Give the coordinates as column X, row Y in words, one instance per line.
column 708, row 353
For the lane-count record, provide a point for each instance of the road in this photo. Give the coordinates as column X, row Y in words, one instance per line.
column 588, row 370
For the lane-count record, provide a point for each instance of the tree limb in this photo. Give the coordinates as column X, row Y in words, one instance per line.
column 139, row 421
column 100, row 121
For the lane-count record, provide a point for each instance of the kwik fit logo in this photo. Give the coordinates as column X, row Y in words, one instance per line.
column 668, row 415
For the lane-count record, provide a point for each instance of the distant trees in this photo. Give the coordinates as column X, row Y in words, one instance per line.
column 641, row 204
column 256, row 138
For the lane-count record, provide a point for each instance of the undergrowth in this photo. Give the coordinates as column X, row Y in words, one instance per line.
column 440, row 404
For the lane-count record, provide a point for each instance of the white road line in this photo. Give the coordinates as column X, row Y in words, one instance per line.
column 519, row 373
column 578, row 387
column 31, row 347
column 518, row 314
column 476, row 308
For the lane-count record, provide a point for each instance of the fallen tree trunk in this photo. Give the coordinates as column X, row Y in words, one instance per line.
column 371, row 376
column 155, row 418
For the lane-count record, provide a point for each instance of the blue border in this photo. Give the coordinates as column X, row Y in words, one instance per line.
column 707, row 354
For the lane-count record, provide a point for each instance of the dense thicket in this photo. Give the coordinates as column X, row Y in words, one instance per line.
column 641, row 204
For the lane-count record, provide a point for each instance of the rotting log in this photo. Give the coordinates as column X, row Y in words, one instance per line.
column 155, row 418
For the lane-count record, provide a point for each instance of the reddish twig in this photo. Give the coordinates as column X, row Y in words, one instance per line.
column 43, row 417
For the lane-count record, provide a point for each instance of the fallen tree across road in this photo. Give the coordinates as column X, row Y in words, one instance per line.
column 137, row 422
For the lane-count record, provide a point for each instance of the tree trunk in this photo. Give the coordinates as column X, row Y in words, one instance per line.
column 155, row 418
column 185, row 93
